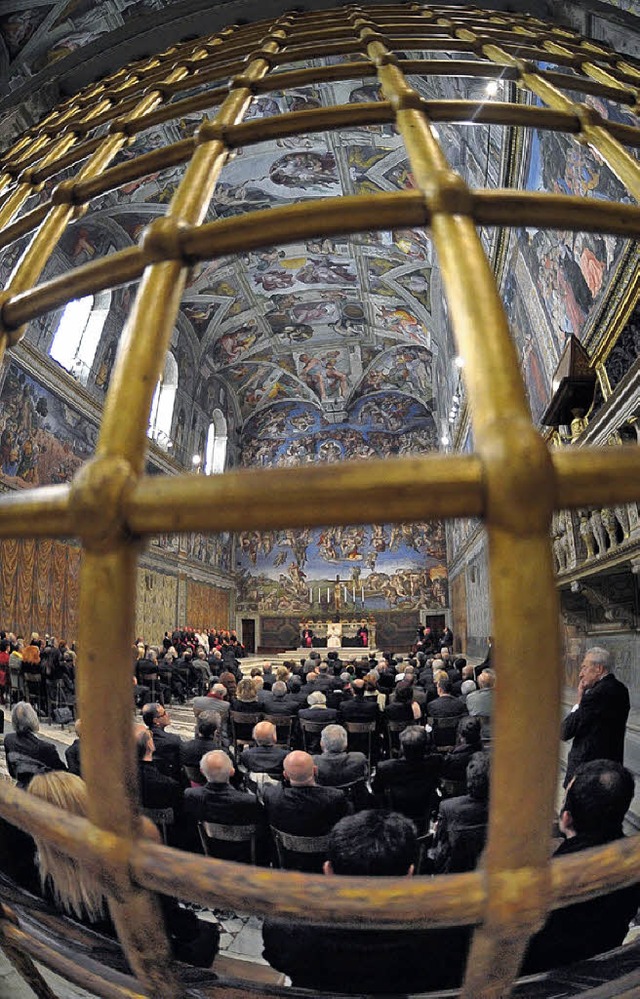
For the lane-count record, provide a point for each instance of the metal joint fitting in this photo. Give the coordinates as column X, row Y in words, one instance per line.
column 98, row 492
column 211, row 131
column 451, row 195
column 64, row 193
column 12, row 334
column 162, row 240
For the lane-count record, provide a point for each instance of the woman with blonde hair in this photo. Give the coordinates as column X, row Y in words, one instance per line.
column 77, row 891
column 246, row 698
column 73, row 889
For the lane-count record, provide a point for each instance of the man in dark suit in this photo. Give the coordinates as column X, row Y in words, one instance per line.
column 317, row 712
column 218, row 802
column 597, row 800
column 410, row 781
column 167, row 746
column 207, row 739
column 445, row 706
column 278, row 701
column 335, row 766
column 359, row 708
column 265, row 757
column 156, row 790
column 328, row 959
column 462, row 822
column 26, row 754
column 597, row 722
column 302, row 808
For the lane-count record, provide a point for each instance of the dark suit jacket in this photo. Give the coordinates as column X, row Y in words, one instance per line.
column 167, row 753
column 222, row 803
column 460, row 835
column 334, row 959
column 579, row 931
column 340, row 768
column 263, row 759
column 324, row 716
column 72, row 755
column 284, row 705
column 411, row 783
column 597, row 727
column 157, row 790
column 359, row 709
column 192, row 752
column 28, row 755
column 304, row 811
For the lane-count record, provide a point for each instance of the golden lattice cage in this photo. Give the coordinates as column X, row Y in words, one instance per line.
column 511, row 480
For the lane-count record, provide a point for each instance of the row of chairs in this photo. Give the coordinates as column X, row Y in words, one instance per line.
column 242, row 724
column 45, row 696
column 444, row 730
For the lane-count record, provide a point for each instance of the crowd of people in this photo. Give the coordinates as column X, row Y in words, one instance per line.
column 383, row 761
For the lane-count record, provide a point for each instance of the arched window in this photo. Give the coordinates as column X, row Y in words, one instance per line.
column 78, row 334
column 216, row 449
column 164, row 398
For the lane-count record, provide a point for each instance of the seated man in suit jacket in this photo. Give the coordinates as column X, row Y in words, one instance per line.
column 26, row 754
column 410, row 781
column 461, row 832
column 217, row 801
column 167, row 746
column 331, row 959
column 300, row 807
column 597, row 801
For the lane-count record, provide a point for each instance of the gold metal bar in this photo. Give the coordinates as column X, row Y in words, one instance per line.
column 26, row 187
column 107, row 594
column 600, row 476
column 290, row 222
column 325, row 216
column 26, row 947
column 119, row 268
column 622, row 163
column 501, row 426
column 555, row 211
column 406, row 488
column 42, row 512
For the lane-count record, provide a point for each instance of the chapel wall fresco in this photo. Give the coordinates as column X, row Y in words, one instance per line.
column 39, row 587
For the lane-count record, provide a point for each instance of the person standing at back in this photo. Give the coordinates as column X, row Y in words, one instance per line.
column 598, row 720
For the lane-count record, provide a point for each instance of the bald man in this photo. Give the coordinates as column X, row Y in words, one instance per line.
column 217, row 801
column 265, row 757
column 301, row 807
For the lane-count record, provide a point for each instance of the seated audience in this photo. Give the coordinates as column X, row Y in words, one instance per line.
column 26, row 753
column 207, row 738
column 461, row 831
column 155, row 788
column 331, row 959
column 403, row 707
column 595, row 805
column 335, row 766
column 246, row 698
column 316, row 712
column 444, row 706
column 278, row 701
column 73, row 889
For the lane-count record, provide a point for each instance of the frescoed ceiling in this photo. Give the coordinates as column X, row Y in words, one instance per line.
column 324, row 323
